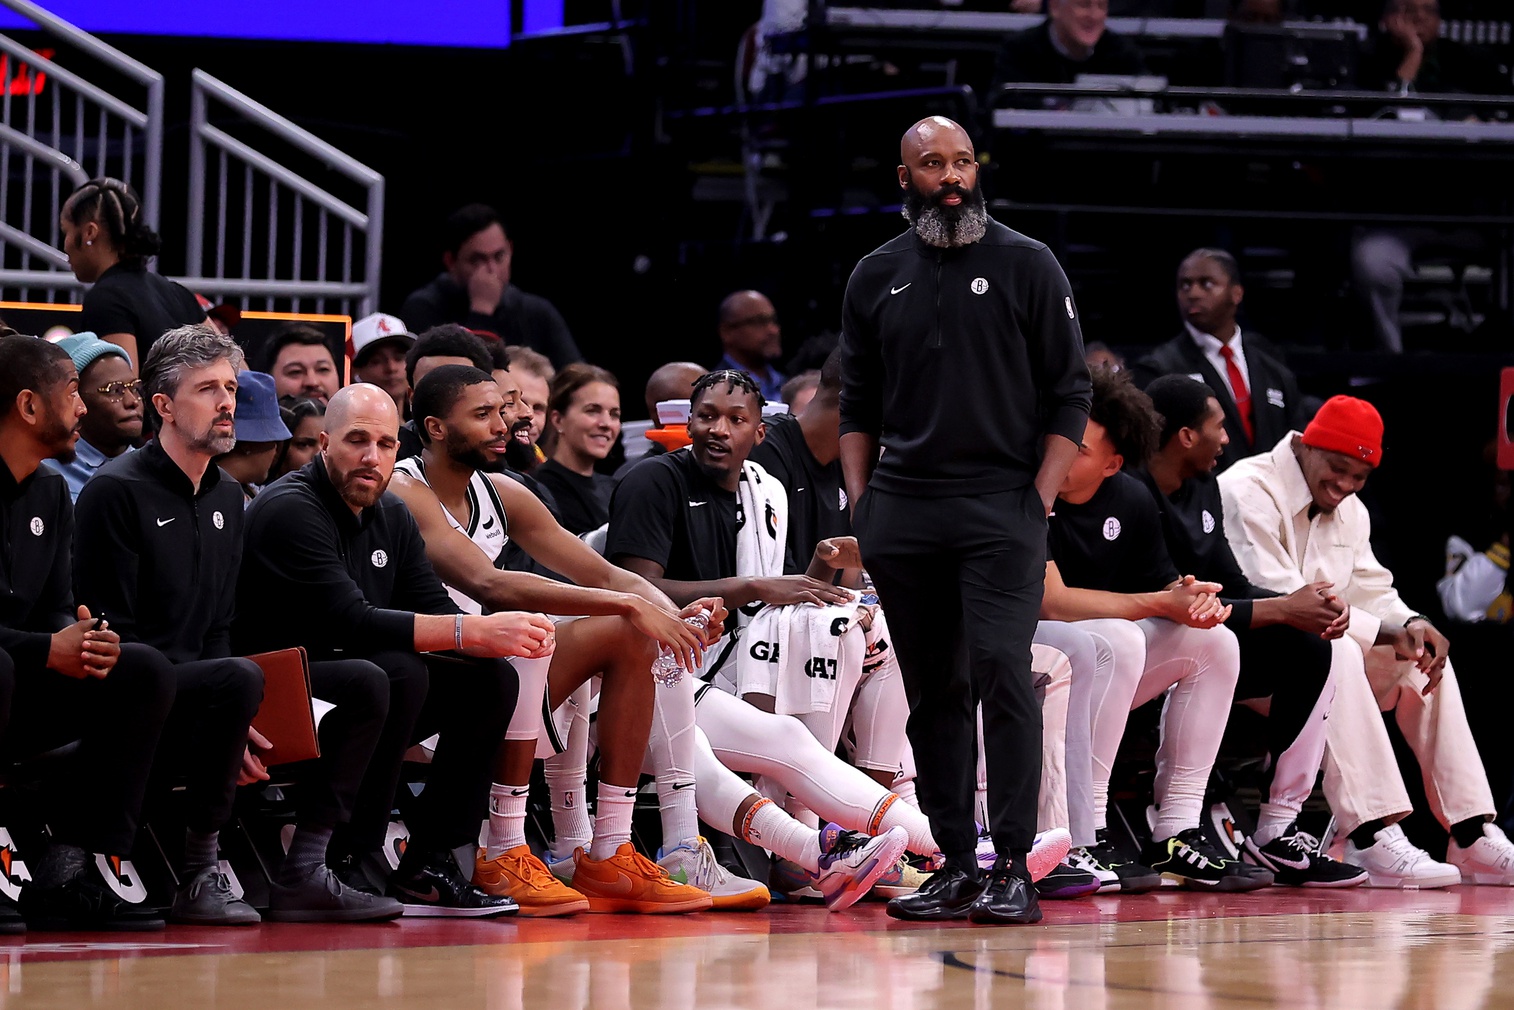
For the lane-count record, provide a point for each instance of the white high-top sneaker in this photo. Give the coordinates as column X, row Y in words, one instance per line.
column 1489, row 860
column 1394, row 861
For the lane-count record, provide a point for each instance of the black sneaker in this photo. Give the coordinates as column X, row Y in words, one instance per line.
column 948, row 894
column 368, row 873
column 1008, row 899
column 11, row 920
column 1065, row 882
column 438, row 889
column 319, row 896
column 1105, row 862
column 85, row 903
column 1196, row 864
column 1296, row 861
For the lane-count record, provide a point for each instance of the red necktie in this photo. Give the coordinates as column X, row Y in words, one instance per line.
column 1238, row 390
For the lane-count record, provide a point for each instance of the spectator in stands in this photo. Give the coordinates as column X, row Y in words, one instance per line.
column 584, row 416
column 474, row 290
column 330, row 546
column 157, row 544
column 534, row 374
column 799, row 390
column 379, row 345
column 261, row 434
column 304, row 419
column 1408, row 55
column 1258, row 392
column 447, row 344
column 1293, row 517
column 299, row 359
column 751, row 340
column 108, row 245
column 1073, row 40
column 109, row 387
column 65, row 671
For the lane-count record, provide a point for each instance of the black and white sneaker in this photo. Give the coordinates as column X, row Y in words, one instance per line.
column 1295, row 860
column 1195, row 863
column 1066, row 881
column 1116, row 872
column 438, row 889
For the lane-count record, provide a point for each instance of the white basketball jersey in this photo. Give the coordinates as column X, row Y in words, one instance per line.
column 486, row 524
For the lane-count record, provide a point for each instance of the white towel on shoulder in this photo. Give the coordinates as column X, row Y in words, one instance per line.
column 762, row 530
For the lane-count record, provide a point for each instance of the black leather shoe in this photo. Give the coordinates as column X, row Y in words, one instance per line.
column 948, row 894
column 1009, row 899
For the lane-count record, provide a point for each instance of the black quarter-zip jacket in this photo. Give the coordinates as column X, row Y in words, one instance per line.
column 339, row 584
column 159, row 558
column 960, row 361
column 36, row 590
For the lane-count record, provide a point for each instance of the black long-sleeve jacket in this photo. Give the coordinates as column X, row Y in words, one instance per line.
column 159, row 558
column 316, row 574
column 960, row 361
column 36, row 538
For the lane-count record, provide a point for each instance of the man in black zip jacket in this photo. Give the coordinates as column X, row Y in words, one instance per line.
column 68, row 674
column 336, row 564
column 157, row 542
column 963, row 360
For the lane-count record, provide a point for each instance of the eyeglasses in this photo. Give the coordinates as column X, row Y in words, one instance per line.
column 116, row 390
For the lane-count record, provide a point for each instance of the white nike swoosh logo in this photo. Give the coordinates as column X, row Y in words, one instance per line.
column 895, row 291
column 165, row 522
column 1294, row 864
column 696, row 504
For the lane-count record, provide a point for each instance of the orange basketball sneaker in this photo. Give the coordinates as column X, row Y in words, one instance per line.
column 630, row 882
column 518, row 874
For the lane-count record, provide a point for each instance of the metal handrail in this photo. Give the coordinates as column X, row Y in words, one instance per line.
column 152, row 125
column 205, row 87
column 67, row 78
column 56, row 160
column 15, row 236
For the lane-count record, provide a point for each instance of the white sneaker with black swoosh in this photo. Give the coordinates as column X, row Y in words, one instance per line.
column 1295, row 860
column 1394, row 861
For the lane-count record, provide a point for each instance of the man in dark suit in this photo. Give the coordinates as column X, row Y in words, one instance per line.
column 1260, row 395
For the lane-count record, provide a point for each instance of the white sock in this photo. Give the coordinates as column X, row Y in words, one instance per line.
column 507, row 818
column 801, row 813
column 570, row 814
column 892, row 813
column 679, row 807
column 768, row 826
column 612, row 819
column 1272, row 822
column 905, row 790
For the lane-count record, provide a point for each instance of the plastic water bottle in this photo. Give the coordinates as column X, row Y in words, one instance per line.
column 665, row 668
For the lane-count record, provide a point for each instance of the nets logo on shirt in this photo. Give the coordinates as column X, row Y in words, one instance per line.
column 979, row 285
column 1207, row 518
column 38, row 527
column 379, row 559
column 218, row 520
column 1111, row 528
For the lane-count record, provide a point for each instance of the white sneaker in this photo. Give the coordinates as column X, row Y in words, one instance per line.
column 1489, row 860
column 1048, row 850
column 1080, row 859
column 694, row 863
column 851, row 862
column 1394, row 861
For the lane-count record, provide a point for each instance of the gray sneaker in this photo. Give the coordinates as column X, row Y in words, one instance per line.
column 206, row 899
column 322, row 897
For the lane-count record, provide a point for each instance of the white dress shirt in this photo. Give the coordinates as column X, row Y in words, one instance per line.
column 1211, row 347
column 1279, row 546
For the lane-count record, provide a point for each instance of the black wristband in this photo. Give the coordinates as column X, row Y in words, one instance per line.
column 1418, row 617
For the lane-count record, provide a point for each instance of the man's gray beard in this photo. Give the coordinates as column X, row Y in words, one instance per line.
column 210, row 442
column 938, row 229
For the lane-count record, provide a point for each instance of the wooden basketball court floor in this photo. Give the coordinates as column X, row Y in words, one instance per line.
column 1288, row 949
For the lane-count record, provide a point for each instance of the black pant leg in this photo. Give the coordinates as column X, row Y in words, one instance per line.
column 470, row 705
column 1289, row 665
column 409, row 683
column 7, row 690
column 348, row 733
column 118, row 721
column 1003, row 575
column 207, row 731
column 918, row 584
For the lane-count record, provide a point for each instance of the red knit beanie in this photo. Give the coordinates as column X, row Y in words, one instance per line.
column 1348, row 425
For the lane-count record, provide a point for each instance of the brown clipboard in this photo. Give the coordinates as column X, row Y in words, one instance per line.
column 286, row 717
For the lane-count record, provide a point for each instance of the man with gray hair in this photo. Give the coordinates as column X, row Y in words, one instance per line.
column 158, row 540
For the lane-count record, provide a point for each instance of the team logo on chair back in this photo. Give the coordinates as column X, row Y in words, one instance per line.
column 121, row 876
column 13, row 872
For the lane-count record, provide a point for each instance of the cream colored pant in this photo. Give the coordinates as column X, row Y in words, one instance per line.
column 1362, row 780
